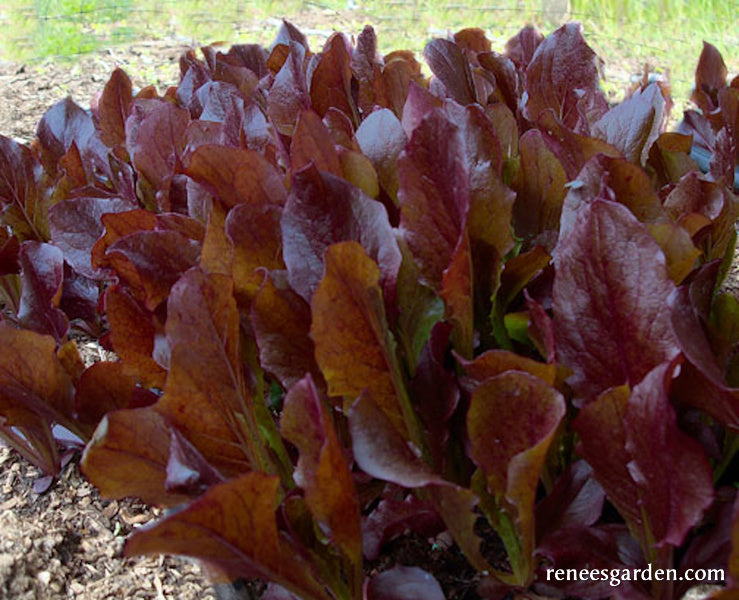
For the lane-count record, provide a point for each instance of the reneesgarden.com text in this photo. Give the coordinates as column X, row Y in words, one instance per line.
column 616, row 576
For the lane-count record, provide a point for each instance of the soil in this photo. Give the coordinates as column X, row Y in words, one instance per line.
column 66, row 542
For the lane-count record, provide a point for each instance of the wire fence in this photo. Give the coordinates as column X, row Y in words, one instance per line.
column 666, row 34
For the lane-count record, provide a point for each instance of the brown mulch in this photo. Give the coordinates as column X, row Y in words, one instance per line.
column 67, row 542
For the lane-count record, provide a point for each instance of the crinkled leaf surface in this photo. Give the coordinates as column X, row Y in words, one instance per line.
column 254, row 231
column 511, row 450
column 322, row 470
column 612, row 323
column 233, row 527
column 354, row 347
column 235, row 175
column 206, row 394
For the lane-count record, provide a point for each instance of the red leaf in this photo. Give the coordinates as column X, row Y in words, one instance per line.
column 254, row 231
column 576, row 500
column 511, row 451
column 381, row 451
column 233, row 527
column 76, row 226
column 206, row 395
column 35, row 392
column 154, row 261
column 403, row 583
column 434, row 194
column 22, row 204
column 635, row 124
column 312, row 143
column 114, row 107
column 288, row 95
column 354, row 347
column 448, row 63
column 42, row 274
column 322, row 470
column 128, row 456
column 710, row 79
column 281, row 322
column 563, row 74
column 392, row 517
column 521, row 48
column 155, row 140
column 322, row 210
column 495, row 362
column 330, row 82
column 611, row 322
column 236, row 176
column 62, row 125
column 105, row 387
column 540, row 187
column 657, row 476
column 133, row 332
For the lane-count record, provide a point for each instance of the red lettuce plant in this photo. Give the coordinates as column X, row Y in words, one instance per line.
column 350, row 300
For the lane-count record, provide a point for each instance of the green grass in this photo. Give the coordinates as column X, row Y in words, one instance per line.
column 666, row 34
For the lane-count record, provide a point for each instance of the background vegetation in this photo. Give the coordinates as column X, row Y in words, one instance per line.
column 666, row 34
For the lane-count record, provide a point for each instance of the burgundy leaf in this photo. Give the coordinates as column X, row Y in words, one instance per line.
column 233, row 527
column 155, row 140
column 312, row 143
column 403, row 583
column 540, row 187
column 563, row 73
column 62, row 125
column 281, row 322
column 380, row 450
column 702, row 382
column 609, row 549
column 710, row 78
column 42, row 274
column 657, row 476
column 322, row 210
column 635, row 124
column 188, row 473
column 449, row 64
column 322, row 470
column 522, row 47
column 434, row 195
column 576, row 500
column 76, row 226
column 288, row 95
column 114, row 107
column 330, row 82
column 21, row 202
column 611, row 321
